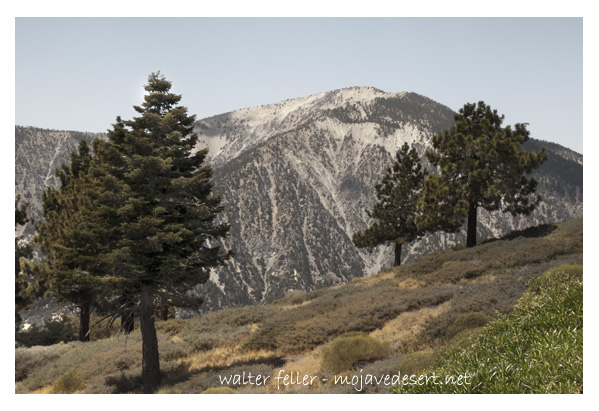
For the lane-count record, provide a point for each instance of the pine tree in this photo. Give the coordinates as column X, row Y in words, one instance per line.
column 167, row 214
column 395, row 212
column 71, row 240
column 482, row 165
column 22, row 251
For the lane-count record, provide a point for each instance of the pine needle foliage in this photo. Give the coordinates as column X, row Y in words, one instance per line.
column 160, row 191
column 396, row 210
column 71, row 239
column 482, row 165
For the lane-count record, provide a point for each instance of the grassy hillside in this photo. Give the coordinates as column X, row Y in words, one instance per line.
column 402, row 320
column 535, row 349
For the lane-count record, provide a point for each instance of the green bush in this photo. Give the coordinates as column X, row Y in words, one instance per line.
column 350, row 350
column 52, row 332
column 68, row 383
column 467, row 321
column 415, row 362
column 464, row 338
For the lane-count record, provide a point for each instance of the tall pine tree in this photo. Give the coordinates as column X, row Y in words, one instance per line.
column 396, row 211
column 482, row 165
column 167, row 213
column 72, row 240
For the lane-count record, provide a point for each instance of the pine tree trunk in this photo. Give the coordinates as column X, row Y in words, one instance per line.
column 127, row 323
column 397, row 254
column 471, row 233
column 164, row 311
column 84, row 322
column 150, row 361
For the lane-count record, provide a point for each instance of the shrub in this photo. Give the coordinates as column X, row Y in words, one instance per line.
column 52, row 332
column 28, row 360
column 68, row 383
column 235, row 316
column 350, row 350
column 467, row 321
column 126, row 382
column 171, row 327
column 464, row 338
column 416, row 362
column 295, row 297
column 65, row 329
column 207, row 337
column 448, row 263
column 104, row 329
column 454, row 271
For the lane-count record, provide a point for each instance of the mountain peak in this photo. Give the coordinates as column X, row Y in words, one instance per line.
column 227, row 135
column 364, row 91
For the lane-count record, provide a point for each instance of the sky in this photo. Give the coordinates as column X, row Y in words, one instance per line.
column 81, row 73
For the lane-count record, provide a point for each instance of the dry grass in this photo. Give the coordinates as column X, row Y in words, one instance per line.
column 409, row 284
column 44, row 390
column 375, row 278
column 404, row 330
column 307, row 364
column 226, row 356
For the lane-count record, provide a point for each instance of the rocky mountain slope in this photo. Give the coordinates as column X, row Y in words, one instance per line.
column 296, row 178
column 38, row 152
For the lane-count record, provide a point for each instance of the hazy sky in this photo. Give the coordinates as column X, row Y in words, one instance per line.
column 80, row 73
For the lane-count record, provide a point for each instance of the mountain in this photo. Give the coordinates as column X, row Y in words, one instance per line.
column 296, row 177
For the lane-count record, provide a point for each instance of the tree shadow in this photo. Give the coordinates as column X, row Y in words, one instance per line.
column 126, row 383
column 131, row 382
column 531, row 232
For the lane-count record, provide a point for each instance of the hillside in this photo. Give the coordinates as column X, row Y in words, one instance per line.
column 535, row 349
column 401, row 318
